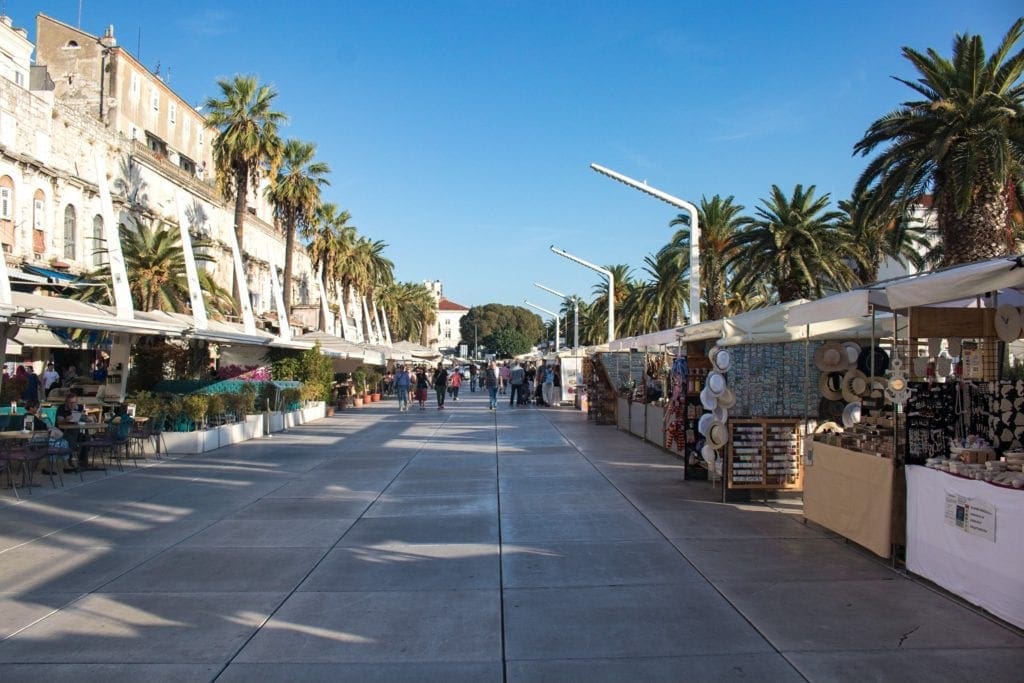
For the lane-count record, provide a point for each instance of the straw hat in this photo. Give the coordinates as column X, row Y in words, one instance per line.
column 830, row 357
column 852, row 352
column 720, row 358
column 720, row 413
column 718, row 435
column 1008, row 323
column 877, row 386
column 855, row 386
column 707, row 399
column 728, row 398
column 851, row 414
column 716, row 383
column 708, row 453
column 831, row 385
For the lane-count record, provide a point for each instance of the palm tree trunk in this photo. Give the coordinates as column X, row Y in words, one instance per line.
column 289, row 247
column 981, row 233
column 241, row 201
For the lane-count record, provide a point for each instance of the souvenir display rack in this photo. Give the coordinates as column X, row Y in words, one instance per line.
column 600, row 392
column 765, row 453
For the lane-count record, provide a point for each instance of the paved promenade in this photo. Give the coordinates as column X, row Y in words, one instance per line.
column 461, row 545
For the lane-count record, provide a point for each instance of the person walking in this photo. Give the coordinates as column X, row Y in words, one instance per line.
column 491, row 380
column 548, row 388
column 440, row 384
column 516, row 378
column 422, row 385
column 456, row 383
column 402, row 381
column 503, row 375
column 32, row 385
column 473, row 370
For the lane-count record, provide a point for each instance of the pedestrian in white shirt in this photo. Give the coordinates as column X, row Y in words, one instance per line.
column 51, row 378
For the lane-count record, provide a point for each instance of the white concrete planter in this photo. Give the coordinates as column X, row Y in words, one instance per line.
column 253, row 426
column 184, row 442
column 276, row 422
column 217, row 437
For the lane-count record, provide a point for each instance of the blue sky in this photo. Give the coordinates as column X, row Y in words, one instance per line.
column 461, row 132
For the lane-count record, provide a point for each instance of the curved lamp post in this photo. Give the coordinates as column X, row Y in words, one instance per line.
column 694, row 231
column 558, row 328
column 611, row 285
column 575, row 313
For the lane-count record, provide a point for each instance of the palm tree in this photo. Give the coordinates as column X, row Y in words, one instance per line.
column 659, row 303
column 875, row 237
column 410, row 309
column 720, row 220
column 963, row 141
column 295, row 194
column 794, row 244
column 375, row 271
column 622, row 274
column 325, row 246
column 247, row 144
column 155, row 262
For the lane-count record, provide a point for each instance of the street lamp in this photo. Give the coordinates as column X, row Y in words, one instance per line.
column 575, row 313
column 558, row 328
column 694, row 231
column 611, row 286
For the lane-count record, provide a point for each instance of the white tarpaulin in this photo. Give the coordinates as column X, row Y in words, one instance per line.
column 982, row 568
column 662, row 338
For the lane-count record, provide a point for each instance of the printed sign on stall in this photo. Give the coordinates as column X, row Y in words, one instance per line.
column 971, row 515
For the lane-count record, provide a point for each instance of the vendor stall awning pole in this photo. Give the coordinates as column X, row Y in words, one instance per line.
column 694, row 231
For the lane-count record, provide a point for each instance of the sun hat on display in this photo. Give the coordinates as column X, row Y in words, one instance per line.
column 718, row 435
column 1008, row 323
column 708, row 453
column 716, row 383
column 831, row 385
column 728, row 398
column 855, row 386
column 720, row 413
column 853, row 350
column 703, row 423
column 720, row 358
column 707, row 399
column 881, row 359
column 830, row 357
column 851, row 414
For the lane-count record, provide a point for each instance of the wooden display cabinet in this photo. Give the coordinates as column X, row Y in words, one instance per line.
column 765, row 453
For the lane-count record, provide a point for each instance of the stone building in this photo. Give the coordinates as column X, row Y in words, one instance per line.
column 85, row 94
column 449, row 315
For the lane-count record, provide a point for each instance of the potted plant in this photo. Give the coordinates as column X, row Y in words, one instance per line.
column 374, row 379
column 359, row 378
column 195, row 409
column 215, row 408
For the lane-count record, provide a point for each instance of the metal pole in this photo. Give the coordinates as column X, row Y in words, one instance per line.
column 611, row 286
column 576, row 323
column 552, row 314
column 694, row 231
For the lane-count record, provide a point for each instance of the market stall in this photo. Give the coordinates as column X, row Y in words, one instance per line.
column 943, row 402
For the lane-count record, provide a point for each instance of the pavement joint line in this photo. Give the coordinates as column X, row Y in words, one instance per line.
column 704, row 576
column 316, row 564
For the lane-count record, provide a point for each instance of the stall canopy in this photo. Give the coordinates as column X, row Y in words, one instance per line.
column 417, row 351
column 982, row 284
column 662, row 338
column 335, row 345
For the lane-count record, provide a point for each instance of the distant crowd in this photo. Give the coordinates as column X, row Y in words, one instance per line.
column 525, row 384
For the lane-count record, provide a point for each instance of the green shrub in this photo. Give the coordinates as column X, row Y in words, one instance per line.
column 215, row 405
column 195, row 407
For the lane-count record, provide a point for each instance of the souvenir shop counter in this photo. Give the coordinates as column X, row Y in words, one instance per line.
column 646, row 420
column 852, row 494
column 968, row 537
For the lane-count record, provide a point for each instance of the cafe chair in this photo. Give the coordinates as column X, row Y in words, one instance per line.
column 28, row 457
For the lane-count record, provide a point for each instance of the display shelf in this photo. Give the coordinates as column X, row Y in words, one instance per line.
column 765, row 454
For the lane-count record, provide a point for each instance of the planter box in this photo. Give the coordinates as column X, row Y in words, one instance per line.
column 656, row 424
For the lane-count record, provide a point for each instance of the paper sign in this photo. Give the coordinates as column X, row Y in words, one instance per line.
column 971, row 515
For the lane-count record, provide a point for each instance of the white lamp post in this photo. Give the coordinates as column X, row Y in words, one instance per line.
column 694, row 231
column 558, row 328
column 611, row 286
column 575, row 313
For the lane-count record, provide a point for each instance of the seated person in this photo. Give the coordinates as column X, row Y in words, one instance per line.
column 70, row 412
column 120, row 423
column 56, row 437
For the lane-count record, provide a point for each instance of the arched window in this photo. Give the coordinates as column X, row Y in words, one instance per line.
column 98, row 242
column 70, row 232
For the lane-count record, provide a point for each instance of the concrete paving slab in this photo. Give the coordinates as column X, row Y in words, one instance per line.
column 621, row 563
column 334, row 487
column 710, row 668
column 152, row 526
column 304, row 508
column 419, row 506
column 219, row 570
column 624, row 621
column 582, row 526
column 553, row 483
column 107, row 673
column 407, row 566
column 405, row 486
column 270, row 533
column 48, row 566
column 940, row 665
column 690, row 519
column 416, row 672
column 862, row 615
column 18, row 610
column 469, row 528
column 164, row 628
column 782, row 559
column 381, row 626
column 568, row 502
